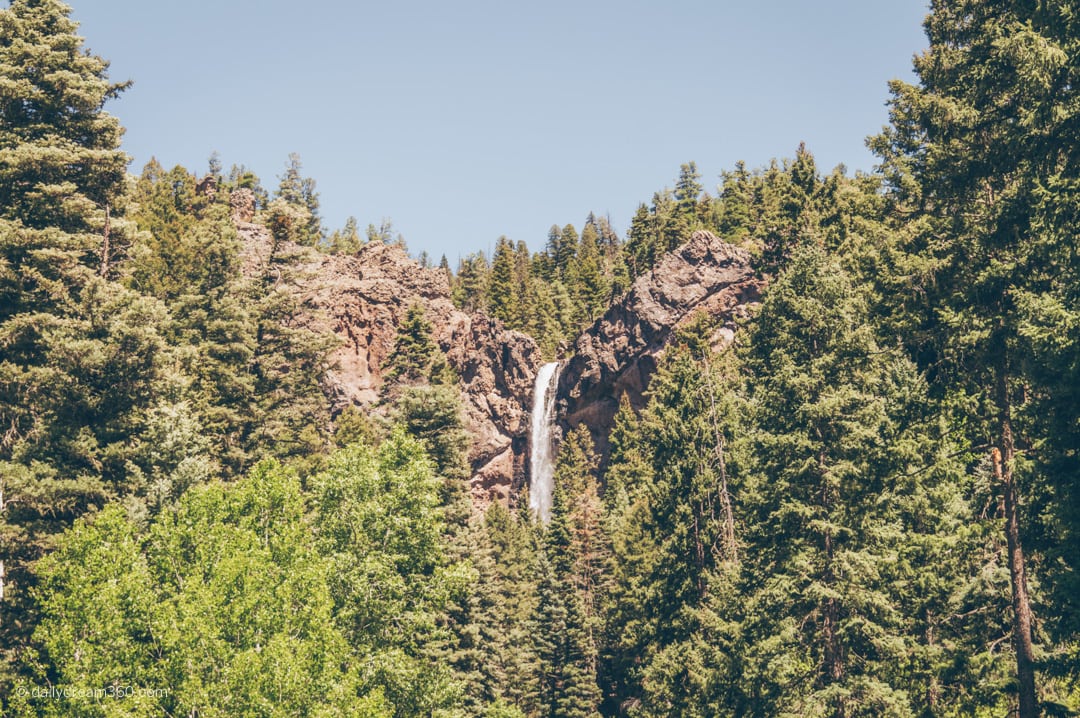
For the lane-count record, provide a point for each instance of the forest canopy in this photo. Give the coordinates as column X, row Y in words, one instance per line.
column 867, row 504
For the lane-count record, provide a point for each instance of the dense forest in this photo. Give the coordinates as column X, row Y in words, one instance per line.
column 868, row 504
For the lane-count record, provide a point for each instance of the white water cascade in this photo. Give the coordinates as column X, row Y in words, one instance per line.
column 541, row 460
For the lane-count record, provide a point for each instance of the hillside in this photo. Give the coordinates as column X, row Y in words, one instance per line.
column 807, row 446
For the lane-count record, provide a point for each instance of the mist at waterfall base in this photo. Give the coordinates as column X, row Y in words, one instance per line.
column 541, row 454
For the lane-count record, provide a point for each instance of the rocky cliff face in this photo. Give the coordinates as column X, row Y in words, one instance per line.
column 364, row 297
column 618, row 354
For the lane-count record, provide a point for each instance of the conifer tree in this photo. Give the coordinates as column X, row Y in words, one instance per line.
column 299, row 193
column 347, row 239
column 472, row 284
column 564, row 242
column 593, row 287
column 685, row 215
column 579, row 553
column 503, row 291
column 671, row 641
column 641, row 242
column 831, row 444
column 976, row 157
column 415, row 355
column 80, row 356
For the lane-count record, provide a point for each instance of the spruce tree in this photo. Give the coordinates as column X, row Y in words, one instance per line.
column 827, row 526
column 671, row 644
column 415, row 358
column 347, row 239
column 572, row 582
column 976, row 158
column 593, row 286
column 79, row 354
column 299, row 192
column 504, row 294
column 472, row 283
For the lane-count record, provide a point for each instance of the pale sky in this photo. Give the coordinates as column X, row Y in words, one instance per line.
column 463, row 121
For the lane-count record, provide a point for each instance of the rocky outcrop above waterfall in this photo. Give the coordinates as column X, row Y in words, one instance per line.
column 362, row 299
column 618, row 354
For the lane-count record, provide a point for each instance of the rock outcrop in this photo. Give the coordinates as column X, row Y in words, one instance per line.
column 363, row 298
column 618, row 354
column 242, row 205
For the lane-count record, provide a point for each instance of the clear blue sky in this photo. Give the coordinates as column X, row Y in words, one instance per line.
column 462, row 121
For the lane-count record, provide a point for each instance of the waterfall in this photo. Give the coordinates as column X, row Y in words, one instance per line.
column 541, row 460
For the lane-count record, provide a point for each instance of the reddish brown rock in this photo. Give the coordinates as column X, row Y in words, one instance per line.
column 362, row 299
column 618, row 354
column 242, row 205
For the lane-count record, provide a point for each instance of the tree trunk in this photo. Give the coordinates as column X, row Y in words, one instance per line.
column 106, row 250
column 1002, row 459
column 731, row 546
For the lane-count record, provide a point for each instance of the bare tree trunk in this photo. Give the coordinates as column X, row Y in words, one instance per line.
column 105, row 250
column 731, row 546
column 1002, row 459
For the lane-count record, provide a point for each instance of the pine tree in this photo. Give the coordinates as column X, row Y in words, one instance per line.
column 80, row 356
column 827, row 524
column 641, row 243
column 347, row 239
column 563, row 247
column 579, row 553
column 593, row 286
column 299, row 193
column 471, row 286
column 416, row 358
column 975, row 154
column 685, row 216
column 504, row 296
column 291, row 419
column 668, row 619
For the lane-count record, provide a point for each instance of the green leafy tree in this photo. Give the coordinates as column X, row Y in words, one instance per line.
column 223, row 606
column 379, row 522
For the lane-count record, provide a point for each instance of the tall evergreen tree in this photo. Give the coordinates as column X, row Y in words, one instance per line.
column 672, row 641
column 347, row 239
column 572, row 579
column 472, row 284
column 79, row 354
column 504, row 295
column 830, row 435
column 593, row 286
column 415, row 357
column 299, row 192
column 975, row 153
